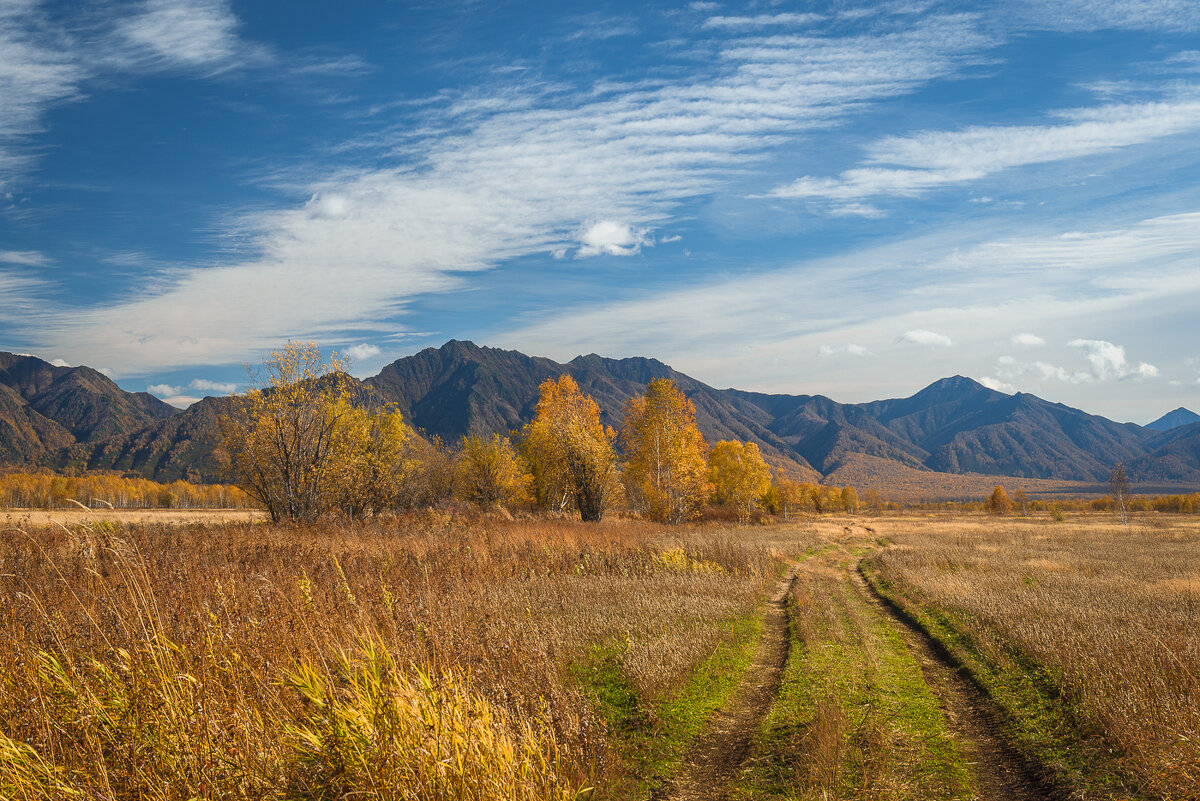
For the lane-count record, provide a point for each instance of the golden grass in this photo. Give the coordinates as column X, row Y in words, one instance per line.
column 1110, row 612
column 424, row 657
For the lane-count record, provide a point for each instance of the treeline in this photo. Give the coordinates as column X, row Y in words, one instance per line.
column 45, row 490
column 305, row 446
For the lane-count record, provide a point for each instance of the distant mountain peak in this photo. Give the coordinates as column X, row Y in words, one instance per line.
column 1174, row 419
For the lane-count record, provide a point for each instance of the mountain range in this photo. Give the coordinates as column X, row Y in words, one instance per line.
column 76, row 417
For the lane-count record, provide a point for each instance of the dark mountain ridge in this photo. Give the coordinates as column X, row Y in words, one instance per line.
column 1174, row 419
column 954, row 425
column 45, row 408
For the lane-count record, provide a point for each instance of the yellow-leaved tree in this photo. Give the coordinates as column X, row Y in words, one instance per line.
column 570, row 451
column 373, row 460
column 299, row 444
column 739, row 476
column 666, row 473
column 279, row 439
column 490, row 473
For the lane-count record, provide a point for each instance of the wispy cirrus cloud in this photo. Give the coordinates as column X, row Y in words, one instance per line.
column 521, row 171
column 973, row 295
column 908, row 166
column 1180, row 16
column 25, row 258
column 37, row 70
column 185, row 34
column 45, row 63
column 762, row 21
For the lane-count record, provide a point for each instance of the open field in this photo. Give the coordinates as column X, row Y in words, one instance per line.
column 434, row 656
column 212, row 661
column 37, row 518
column 1084, row 631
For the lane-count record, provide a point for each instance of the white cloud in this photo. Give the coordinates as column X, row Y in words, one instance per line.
column 612, row 238
column 60, row 363
column 26, row 258
column 997, row 385
column 762, row 21
column 205, row 385
column 181, row 401
column 1027, row 340
column 1108, row 361
column 44, row 63
column 361, row 353
column 766, row 331
column 519, row 173
column 851, row 349
column 163, row 389
column 907, row 166
column 36, row 71
column 666, row 240
column 1090, row 15
column 188, row 34
column 920, row 336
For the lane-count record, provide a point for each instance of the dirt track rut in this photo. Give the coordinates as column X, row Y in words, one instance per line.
column 998, row 771
column 727, row 740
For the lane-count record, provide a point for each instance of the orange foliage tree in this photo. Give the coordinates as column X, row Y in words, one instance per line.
column 666, row 473
column 569, row 451
column 999, row 503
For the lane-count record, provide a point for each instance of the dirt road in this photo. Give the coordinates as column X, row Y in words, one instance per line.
column 896, row 661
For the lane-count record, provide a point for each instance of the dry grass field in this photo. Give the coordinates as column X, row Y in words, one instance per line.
column 40, row 518
column 472, row 656
column 1085, row 630
column 429, row 657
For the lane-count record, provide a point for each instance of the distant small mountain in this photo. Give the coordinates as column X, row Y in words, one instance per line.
column 44, row 408
column 955, row 427
column 1175, row 419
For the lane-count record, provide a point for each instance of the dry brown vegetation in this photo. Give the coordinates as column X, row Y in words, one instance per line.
column 263, row 661
column 1102, row 614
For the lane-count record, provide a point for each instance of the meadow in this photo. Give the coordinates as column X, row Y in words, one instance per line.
column 1085, row 632
column 438, row 655
column 427, row 656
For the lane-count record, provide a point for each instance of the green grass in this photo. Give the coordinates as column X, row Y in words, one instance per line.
column 653, row 736
column 854, row 717
column 1042, row 723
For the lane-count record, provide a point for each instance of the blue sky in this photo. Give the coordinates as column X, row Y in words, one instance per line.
column 846, row 198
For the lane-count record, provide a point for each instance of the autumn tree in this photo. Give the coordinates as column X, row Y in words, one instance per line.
column 1118, row 482
column 666, row 473
column 430, row 472
column 372, row 460
column 739, row 476
column 789, row 496
column 490, row 473
column 280, row 440
column 850, row 499
column 998, row 503
column 570, row 451
column 1021, row 499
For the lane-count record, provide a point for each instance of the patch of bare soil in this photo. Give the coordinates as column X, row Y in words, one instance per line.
column 725, row 745
column 999, row 772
